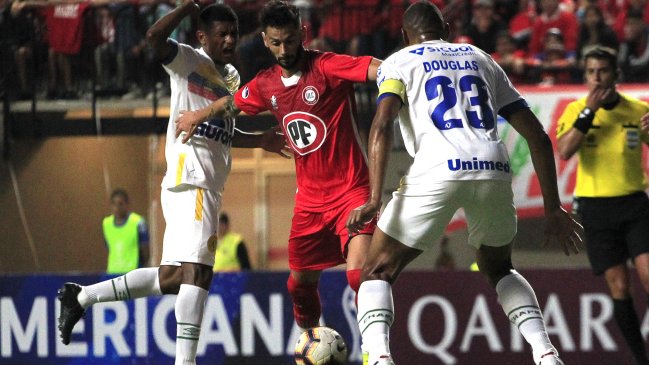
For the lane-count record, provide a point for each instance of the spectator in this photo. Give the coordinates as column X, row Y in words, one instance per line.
column 231, row 251
column 607, row 129
column 594, row 32
column 104, row 52
column 126, row 235
column 511, row 60
column 552, row 16
column 252, row 56
column 21, row 41
column 351, row 27
column 484, row 25
column 634, row 50
column 520, row 26
column 555, row 63
column 641, row 6
column 65, row 33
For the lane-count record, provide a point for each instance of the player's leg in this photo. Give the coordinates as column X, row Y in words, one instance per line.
column 517, row 299
column 189, row 309
column 491, row 205
column 408, row 225
column 190, row 239
column 312, row 247
column 303, row 288
column 386, row 258
column 354, row 247
column 357, row 249
column 75, row 298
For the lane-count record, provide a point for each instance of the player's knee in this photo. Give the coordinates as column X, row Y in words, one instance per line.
column 170, row 280
column 300, row 290
column 378, row 273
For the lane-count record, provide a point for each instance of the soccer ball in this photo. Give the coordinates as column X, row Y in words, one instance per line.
column 320, row 346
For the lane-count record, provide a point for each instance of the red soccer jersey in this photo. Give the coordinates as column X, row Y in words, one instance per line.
column 318, row 116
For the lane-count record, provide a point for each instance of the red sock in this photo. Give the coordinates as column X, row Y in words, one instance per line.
column 306, row 302
column 354, row 280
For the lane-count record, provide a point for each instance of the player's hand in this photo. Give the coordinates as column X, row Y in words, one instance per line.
column 560, row 226
column 187, row 122
column 644, row 123
column 360, row 216
column 273, row 141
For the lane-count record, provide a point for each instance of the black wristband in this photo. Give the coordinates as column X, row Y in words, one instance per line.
column 584, row 120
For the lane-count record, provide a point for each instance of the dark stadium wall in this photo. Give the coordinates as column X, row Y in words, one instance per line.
column 64, row 196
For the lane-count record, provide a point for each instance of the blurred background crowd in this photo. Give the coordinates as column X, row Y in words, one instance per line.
column 66, row 49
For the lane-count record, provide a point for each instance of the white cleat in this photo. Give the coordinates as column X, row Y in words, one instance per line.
column 551, row 358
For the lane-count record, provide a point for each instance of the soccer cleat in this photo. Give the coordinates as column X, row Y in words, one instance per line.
column 551, row 358
column 71, row 310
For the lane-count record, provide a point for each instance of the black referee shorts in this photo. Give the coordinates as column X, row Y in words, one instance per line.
column 616, row 228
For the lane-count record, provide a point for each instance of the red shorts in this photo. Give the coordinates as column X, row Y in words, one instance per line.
column 319, row 240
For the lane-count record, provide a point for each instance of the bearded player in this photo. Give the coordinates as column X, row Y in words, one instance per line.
column 311, row 94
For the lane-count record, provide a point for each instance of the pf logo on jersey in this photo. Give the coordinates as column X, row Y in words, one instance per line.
column 305, row 131
column 310, row 95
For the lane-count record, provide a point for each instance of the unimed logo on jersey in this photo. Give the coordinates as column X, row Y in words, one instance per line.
column 306, row 131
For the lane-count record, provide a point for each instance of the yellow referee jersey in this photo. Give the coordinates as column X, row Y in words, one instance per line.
column 610, row 158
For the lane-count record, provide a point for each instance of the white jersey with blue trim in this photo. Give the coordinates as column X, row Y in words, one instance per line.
column 204, row 161
column 453, row 93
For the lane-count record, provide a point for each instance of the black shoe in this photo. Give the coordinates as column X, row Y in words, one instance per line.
column 71, row 310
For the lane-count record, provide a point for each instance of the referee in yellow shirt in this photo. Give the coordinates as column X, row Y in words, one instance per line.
column 605, row 129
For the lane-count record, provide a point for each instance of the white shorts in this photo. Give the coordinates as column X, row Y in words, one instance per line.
column 192, row 219
column 418, row 219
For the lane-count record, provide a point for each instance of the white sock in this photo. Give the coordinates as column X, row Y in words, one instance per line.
column 518, row 300
column 375, row 316
column 134, row 284
column 190, row 305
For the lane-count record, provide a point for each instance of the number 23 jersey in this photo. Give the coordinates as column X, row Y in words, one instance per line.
column 316, row 109
column 448, row 121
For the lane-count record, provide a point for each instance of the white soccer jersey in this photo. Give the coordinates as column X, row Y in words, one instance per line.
column 452, row 96
column 205, row 160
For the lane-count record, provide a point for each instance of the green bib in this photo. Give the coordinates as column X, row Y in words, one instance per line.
column 122, row 241
column 226, row 258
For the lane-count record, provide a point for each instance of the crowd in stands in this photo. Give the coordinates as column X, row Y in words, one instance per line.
column 65, row 49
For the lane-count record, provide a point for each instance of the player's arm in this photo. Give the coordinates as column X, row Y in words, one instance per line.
column 372, row 69
column 380, row 144
column 271, row 140
column 559, row 224
column 157, row 36
column 188, row 120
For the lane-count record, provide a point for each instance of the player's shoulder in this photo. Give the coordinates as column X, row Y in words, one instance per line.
column 266, row 74
column 633, row 100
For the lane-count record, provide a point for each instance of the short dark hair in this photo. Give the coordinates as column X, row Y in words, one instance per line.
column 216, row 13
column 119, row 192
column 424, row 17
column 603, row 53
column 223, row 218
column 279, row 14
